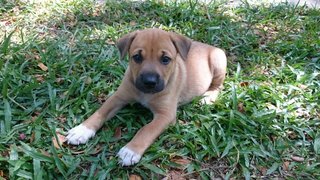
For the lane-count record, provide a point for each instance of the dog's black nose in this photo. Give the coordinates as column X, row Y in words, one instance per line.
column 150, row 79
column 149, row 82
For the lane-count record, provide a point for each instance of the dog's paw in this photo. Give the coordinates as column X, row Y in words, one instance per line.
column 207, row 101
column 128, row 157
column 79, row 135
column 209, row 97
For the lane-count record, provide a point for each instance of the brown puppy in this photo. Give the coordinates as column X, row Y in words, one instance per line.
column 165, row 70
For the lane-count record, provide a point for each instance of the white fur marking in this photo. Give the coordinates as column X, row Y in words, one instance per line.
column 209, row 97
column 79, row 135
column 128, row 157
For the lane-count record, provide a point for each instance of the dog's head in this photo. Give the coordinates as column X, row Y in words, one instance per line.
column 152, row 56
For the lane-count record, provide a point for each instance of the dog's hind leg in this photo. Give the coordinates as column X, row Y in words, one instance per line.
column 218, row 64
column 211, row 95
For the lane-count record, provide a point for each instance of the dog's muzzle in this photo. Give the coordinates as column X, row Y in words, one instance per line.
column 149, row 82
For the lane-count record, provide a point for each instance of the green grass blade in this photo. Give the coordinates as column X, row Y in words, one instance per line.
column 37, row 172
column 246, row 173
column 58, row 162
column 5, row 44
column 24, row 174
column 154, row 168
column 273, row 168
column 316, row 145
column 18, row 165
column 34, row 154
column 7, row 116
column 227, row 149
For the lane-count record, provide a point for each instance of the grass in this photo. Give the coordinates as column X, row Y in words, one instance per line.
column 264, row 125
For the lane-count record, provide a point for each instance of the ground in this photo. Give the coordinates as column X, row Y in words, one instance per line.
column 59, row 62
column 309, row 3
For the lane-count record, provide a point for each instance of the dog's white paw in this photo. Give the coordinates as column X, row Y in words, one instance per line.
column 207, row 101
column 128, row 157
column 79, row 135
column 209, row 97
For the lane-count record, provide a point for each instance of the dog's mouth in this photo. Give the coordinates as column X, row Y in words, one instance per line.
column 149, row 83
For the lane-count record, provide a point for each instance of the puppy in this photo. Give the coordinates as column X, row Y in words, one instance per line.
column 165, row 70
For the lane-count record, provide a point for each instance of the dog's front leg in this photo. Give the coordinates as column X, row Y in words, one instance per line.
column 83, row 132
column 132, row 152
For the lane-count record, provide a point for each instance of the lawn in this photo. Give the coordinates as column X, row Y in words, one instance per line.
column 59, row 62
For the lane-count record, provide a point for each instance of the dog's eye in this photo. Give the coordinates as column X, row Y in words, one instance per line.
column 165, row 60
column 137, row 58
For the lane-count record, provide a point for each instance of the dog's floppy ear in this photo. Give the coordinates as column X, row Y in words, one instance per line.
column 182, row 44
column 124, row 43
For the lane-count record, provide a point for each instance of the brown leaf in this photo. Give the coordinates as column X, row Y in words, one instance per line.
column 302, row 86
column 88, row 80
column 102, row 98
column 183, row 162
column 182, row 122
column 45, row 153
column 33, row 135
column 244, row 84
column 59, row 80
column 97, row 149
column 241, row 108
column 39, row 78
column 117, row 133
column 110, row 42
column 285, row 165
column 134, row 177
column 273, row 137
column 36, row 56
column 95, row 13
column 297, row 158
column 263, row 170
column 257, row 32
column 271, row 106
column 42, row 67
column 232, row 57
column 174, row 175
column 292, row 135
column 61, row 139
column 62, row 119
column 4, row 153
column 132, row 23
column 77, row 152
